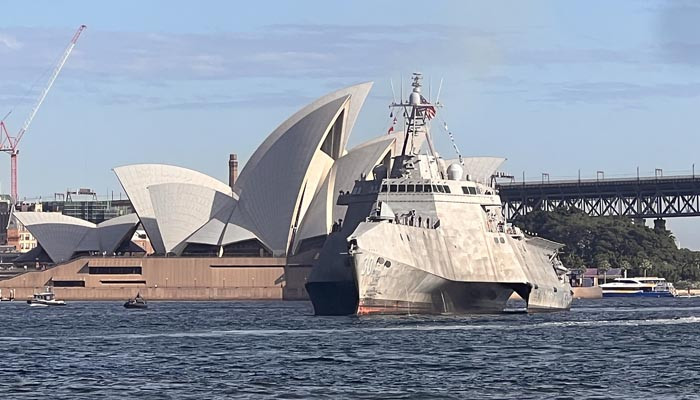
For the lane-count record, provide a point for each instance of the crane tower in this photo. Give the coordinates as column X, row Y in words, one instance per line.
column 9, row 144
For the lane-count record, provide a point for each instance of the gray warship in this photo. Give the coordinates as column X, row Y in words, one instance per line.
column 423, row 237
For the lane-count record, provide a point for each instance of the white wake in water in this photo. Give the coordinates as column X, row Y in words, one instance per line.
column 354, row 330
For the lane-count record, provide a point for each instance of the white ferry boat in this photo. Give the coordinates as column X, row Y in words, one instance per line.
column 45, row 299
column 638, row 287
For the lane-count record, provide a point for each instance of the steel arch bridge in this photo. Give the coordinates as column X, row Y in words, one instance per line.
column 645, row 197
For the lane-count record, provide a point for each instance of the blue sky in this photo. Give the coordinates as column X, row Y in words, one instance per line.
column 553, row 86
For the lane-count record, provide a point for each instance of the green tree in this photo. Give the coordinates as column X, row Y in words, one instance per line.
column 645, row 266
column 625, row 266
column 588, row 240
column 602, row 263
column 575, row 264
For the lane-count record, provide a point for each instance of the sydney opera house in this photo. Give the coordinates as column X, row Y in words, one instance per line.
column 254, row 239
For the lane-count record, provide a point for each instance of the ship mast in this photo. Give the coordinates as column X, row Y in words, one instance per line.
column 417, row 111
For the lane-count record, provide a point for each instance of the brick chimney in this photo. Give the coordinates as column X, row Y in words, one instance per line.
column 232, row 169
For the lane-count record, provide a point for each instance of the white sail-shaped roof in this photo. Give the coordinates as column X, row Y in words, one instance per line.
column 357, row 93
column 113, row 232
column 182, row 208
column 220, row 231
column 278, row 183
column 234, row 233
column 135, row 179
column 58, row 234
column 271, row 196
column 62, row 236
column 212, row 231
column 34, row 218
column 356, row 163
column 108, row 235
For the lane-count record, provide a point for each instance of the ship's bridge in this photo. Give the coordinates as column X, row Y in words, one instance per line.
column 414, row 186
column 434, row 186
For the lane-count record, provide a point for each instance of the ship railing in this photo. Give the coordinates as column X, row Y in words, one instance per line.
column 411, row 219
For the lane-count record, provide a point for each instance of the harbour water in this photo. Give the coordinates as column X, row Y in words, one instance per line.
column 611, row 348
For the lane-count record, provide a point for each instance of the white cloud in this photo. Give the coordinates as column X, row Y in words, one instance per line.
column 274, row 51
column 9, row 42
column 322, row 52
column 600, row 92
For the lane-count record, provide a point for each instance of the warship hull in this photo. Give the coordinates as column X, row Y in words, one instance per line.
column 333, row 298
column 405, row 289
column 421, row 237
column 424, row 282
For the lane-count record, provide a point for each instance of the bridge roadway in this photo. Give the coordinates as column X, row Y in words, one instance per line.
column 645, row 197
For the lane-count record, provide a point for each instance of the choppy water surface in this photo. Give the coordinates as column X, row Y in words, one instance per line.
column 612, row 348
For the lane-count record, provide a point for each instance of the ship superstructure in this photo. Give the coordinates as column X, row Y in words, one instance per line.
column 423, row 237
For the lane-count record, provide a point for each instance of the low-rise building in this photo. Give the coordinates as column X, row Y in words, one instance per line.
column 85, row 204
column 17, row 234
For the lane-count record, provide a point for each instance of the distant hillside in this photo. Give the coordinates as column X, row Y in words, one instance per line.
column 613, row 242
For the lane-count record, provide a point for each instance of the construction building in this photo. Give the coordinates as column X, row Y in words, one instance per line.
column 84, row 204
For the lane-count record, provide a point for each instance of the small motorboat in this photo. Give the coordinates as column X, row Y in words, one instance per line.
column 136, row 302
column 45, row 299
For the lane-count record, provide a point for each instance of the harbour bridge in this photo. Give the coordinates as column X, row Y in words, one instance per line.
column 641, row 197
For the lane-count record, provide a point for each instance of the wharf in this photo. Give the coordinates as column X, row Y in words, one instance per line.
column 589, row 292
column 166, row 278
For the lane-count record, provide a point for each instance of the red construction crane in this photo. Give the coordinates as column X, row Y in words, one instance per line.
column 9, row 143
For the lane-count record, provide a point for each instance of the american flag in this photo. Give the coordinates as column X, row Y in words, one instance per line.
column 429, row 111
column 391, row 128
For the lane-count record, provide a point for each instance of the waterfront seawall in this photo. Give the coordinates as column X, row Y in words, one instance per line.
column 165, row 278
column 592, row 292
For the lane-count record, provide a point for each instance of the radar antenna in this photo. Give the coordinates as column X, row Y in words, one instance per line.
column 417, row 112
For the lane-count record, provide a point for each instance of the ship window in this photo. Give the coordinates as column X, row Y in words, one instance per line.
column 472, row 190
column 402, row 188
column 503, row 240
column 478, row 190
column 495, row 240
column 427, row 188
column 419, row 188
column 438, row 188
column 465, row 190
column 411, row 188
column 447, row 188
column 384, row 188
column 392, row 188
